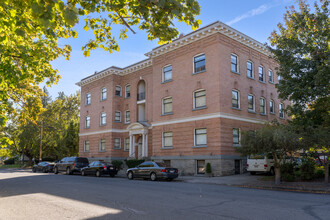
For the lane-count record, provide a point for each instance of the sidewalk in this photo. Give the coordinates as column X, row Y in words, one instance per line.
column 255, row 182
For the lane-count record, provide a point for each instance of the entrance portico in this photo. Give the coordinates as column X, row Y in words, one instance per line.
column 137, row 130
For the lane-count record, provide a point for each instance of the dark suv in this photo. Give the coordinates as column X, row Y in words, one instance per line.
column 71, row 165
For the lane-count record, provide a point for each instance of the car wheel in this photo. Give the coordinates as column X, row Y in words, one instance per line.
column 153, row 176
column 253, row 173
column 169, row 179
column 272, row 171
column 68, row 171
column 130, row 175
column 112, row 175
column 44, row 170
column 83, row 173
column 98, row 173
column 34, row 170
column 55, row 170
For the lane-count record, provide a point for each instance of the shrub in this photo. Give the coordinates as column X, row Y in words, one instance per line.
column 118, row 164
column 287, row 172
column 319, row 173
column 287, row 177
column 9, row 161
column 208, row 168
column 133, row 163
column 307, row 169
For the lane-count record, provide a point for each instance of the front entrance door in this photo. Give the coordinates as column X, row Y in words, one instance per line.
column 237, row 166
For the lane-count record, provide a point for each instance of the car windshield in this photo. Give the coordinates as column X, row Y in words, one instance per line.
column 106, row 163
column 82, row 160
column 161, row 164
column 257, row 156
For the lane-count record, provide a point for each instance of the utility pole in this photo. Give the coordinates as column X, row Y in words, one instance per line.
column 40, row 153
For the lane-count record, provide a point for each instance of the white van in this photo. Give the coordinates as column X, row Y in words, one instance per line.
column 260, row 163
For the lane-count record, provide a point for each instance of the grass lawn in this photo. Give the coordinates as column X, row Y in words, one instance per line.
column 10, row 166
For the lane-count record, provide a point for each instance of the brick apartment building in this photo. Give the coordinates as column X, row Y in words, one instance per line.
column 185, row 105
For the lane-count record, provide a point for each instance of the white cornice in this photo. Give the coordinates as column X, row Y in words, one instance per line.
column 114, row 70
column 217, row 27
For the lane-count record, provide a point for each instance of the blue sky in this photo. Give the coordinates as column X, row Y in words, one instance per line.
column 255, row 18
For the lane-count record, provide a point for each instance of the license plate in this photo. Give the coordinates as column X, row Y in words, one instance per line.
column 256, row 165
column 111, row 168
column 172, row 171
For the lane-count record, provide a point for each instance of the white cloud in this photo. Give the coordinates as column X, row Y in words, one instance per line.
column 257, row 11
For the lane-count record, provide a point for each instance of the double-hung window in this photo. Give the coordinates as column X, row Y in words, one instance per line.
column 127, row 91
column 88, row 99
column 103, row 118
column 236, row 136
column 126, row 144
column 270, row 76
column 200, row 137
column 199, row 99
column 271, row 107
column 118, row 91
column 281, row 110
column 199, row 63
column 127, row 117
column 235, row 99
column 262, row 106
column 86, row 146
column 167, row 139
column 234, row 63
column 117, row 143
column 103, row 94
column 102, row 145
column 167, row 73
column 261, row 74
column 87, row 122
column 249, row 69
column 251, row 103
column 167, row 106
column 117, row 116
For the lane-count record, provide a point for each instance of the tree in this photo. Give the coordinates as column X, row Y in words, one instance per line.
column 301, row 48
column 30, row 31
column 276, row 139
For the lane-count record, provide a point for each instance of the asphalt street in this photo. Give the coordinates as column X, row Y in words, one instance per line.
column 27, row 195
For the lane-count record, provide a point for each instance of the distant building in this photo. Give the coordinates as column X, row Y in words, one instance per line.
column 186, row 105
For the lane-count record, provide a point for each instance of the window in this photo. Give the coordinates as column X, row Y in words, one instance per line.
column 199, row 99
column 234, row 63
column 261, row 74
column 281, row 110
column 167, row 105
column 200, row 137
column 262, row 106
column 117, row 143
column 126, row 144
column 199, row 63
column 167, row 73
column 117, row 116
column 127, row 91
column 271, row 107
column 251, row 106
column 88, row 122
column 104, row 94
column 127, row 117
column 103, row 118
column 86, row 146
column 249, row 69
column 235, row 99
column 270, row 76
column 118, row 91
column 200, row 166
column 88, row 99
column 236, row 136
column 102, row 145
column 279, row 78
column 167, row 139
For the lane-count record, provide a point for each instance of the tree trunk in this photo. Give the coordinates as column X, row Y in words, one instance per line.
column 277, row 175
column 326, row 172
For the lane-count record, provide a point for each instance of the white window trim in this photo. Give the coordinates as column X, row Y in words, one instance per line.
column 126, row 91
column 265, row 107
column 119, row 116
column 90, row 98
column 100, row 144
column 106, row 93
column 89, row 121
column 101, row 119
column 203, row 145
column 194, row 61
column 263, row 68
column 273, row 112
column 163, row 140
column 279, row 110
column 127, row 138
column 239, row 137
column 254, row 102
column 163, row 109
column 121, row 91
column 272, row 75
column 237, row 62
column 194, row 101
column 85, row 146
column 252, row 69
column 163, row 78
column 128, row 122
column 239, row 99
column 114, row 147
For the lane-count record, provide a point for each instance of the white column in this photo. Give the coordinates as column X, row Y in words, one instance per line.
column 143, row 144
column 133, row 150
column 131, row 146
column 146, row 151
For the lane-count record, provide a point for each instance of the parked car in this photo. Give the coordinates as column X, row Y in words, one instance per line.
column 152, row 170
column 45, row 167
column 99, row 168
column 69, row 165
column 260, row 163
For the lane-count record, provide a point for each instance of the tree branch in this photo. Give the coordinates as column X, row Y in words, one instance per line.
column 125, row 23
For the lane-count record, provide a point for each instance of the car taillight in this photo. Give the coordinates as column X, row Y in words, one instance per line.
column 265, row 165
column 247, row 165
column 164, row 170
column 176, row 171
column 74, row 164
column 104, row 167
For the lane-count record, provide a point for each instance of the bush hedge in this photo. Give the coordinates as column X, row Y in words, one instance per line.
column 9, row 161
column 208, row 168
column 287, row 172
column 133, row 163
column 307, row 169
column 118, row 164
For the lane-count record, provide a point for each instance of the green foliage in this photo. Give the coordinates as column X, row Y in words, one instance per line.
column 9, row 161
column 118, row 164
column 287, row 172
column 133, row 163
column 319, row 173
column 30, row 31
column 307, row 169
column 208, row 168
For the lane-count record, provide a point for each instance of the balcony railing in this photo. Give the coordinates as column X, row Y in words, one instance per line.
column 141, row 96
